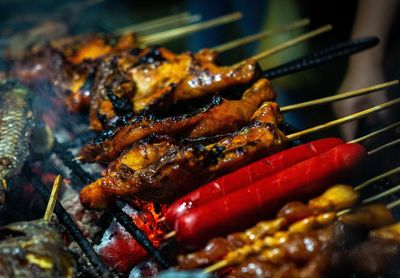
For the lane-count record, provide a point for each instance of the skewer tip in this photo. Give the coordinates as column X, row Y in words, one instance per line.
column 53, row 198
column 4, row 183
column 170, row 235
column 78, row 158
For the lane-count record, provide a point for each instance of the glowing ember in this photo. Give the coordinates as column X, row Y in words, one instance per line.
column 119, row 250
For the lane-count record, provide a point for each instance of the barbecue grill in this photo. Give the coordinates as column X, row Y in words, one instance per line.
column 59, row 158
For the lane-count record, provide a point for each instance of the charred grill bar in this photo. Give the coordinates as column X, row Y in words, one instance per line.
column 64, row 217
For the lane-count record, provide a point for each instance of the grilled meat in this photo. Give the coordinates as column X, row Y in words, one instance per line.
column 224, row 116
column 70, row 64
column 153, row 79
column 182, row 169
column 334, row 199
column 33, row 249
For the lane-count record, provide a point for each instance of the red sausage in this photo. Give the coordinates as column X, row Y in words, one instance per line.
column 246, row 175
column 252, row 203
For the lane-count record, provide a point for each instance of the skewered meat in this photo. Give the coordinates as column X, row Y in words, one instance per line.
column 70, row 64
column 339, row 196
column 248, row 205
column 33, row 249
column 155, row 78
column 246, row 175
column 183, row 169
column 302, row 255
column 223, row 117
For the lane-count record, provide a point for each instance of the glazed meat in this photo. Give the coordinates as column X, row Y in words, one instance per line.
column 70, row 64
column 223, row 116
column 182, row 169
column 154, row 79
column 33, row 249
column 334, row 199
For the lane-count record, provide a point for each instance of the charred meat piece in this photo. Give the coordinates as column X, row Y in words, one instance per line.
column 222, row 117
column 182, row 169
column 33, row 249
column 157, row 78
column 70, row 64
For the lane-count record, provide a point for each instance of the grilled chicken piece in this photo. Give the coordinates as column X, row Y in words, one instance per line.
column 70, row 64
column 182, row 169
column 33, row 249
column 158, row 78
column 222, row 117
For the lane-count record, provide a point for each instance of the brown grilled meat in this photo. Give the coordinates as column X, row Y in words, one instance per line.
column 33, row 249
column 182, row 169
column 223, row 117
column 70, row 64
column 155, row 78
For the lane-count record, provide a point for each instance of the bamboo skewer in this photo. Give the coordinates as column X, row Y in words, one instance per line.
column 375, row 179
column 342, row 96
column 393, row 204
column 53, row 198
column 377, row 132
column 163, row 22
column 291, row 42
column 259, row 36
column 164, row 36
column 345, row 119
column 382, row 195
column 384, row 146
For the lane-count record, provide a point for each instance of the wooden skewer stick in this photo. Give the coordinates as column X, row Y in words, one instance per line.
column 345, row 119
column 374, row 133
column 382, row 195
column 375, row 179
column 291, row 42
column 53, row 198
column 384, row 146
column 393, row 204
column 164, row 36
column 163, row 22
column 169, row 235
column 261, row 35
column 342, row 96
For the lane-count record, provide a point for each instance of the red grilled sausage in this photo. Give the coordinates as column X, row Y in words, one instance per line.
column 246, row 175
column 248, row 205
